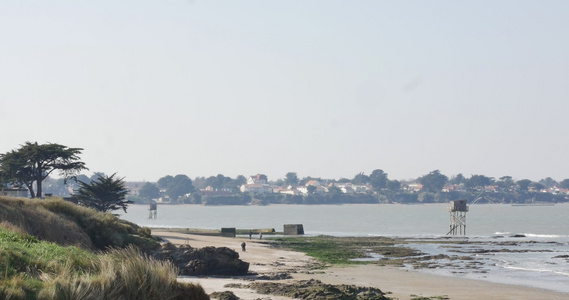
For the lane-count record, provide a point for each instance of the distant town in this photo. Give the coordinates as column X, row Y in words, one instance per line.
column 376, row 187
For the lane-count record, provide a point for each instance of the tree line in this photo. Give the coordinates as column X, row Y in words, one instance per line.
column 384, row 190
column 32, row 164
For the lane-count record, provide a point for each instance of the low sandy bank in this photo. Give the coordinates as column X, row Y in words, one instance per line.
column 400, row 284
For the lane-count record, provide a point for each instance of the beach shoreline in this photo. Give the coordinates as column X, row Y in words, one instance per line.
column 395, row 282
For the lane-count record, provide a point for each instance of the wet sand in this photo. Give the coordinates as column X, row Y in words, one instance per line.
column 398, row 283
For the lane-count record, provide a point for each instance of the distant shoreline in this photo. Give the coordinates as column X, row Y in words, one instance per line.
column 338, row 204
column 281, row 204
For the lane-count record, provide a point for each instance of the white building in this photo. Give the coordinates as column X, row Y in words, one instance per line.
column 256, row 188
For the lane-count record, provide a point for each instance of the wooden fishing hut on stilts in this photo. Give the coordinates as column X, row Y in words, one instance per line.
column 458, row 209
column 152, row 211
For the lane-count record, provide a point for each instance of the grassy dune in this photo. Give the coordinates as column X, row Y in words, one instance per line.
column 51, row 249
column 65, row 223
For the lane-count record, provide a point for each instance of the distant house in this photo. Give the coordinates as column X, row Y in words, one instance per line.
column 210, row 191
column 288, row 190
column 452, row 187
column 362, row 189
column 14, row 192
column 347, row 190
column 319, row 189
column 257, row 179
column 256, row 188
column 257, row 184
column 414, row 187
column 313, row 182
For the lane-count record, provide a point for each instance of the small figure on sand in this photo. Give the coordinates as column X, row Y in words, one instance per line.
column 250, row 234
column 243, row 246
column 260, row 235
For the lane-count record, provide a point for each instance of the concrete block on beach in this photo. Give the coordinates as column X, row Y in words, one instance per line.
column 228, row 232
column 293, row 229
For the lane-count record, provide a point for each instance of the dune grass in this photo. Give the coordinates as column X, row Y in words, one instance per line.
column 120, row 274
column 33, row 269
column 66, row 223
column 46, row 252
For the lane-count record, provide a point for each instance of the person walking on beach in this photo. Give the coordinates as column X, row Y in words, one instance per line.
column 243, row 246
column 260, row 235
column 250, row 234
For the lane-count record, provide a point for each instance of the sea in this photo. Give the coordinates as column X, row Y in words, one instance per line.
column 522, row 245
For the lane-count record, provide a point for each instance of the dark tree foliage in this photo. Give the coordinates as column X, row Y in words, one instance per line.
column 478, row 181
column 225, row 182
column 360, row 179
column 149, row 191
column 32, row 163
column 537, row 186
column 393, row 185
column 199, row 182
column 181, row 185
column 216, row 182
column 564, row 183
column 291, row 178
column 106, row 193
column 240, row 180
column 4, row 181
column 212, row 182
column 378, row 179
column 334, row 190
column 164, row 182
column 523, row 184
column 458, row 179
column 548, row 182
column 311, row 189
column 433, row 182
column 505, row 182
column 222, row 182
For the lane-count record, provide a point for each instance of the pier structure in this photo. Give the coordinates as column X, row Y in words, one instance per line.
column 153, row 211
column 458, row 209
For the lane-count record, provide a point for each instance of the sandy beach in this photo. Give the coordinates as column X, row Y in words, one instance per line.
column 398, row 283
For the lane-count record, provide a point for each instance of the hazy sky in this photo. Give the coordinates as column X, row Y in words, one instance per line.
column 322, row 88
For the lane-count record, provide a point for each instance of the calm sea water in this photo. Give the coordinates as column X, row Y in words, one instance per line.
column 362, row 220
column 535, row 260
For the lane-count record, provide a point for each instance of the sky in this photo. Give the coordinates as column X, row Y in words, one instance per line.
column 321, row 88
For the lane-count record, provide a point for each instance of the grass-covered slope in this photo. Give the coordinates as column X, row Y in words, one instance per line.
column 46, row 252
column 66, row 223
